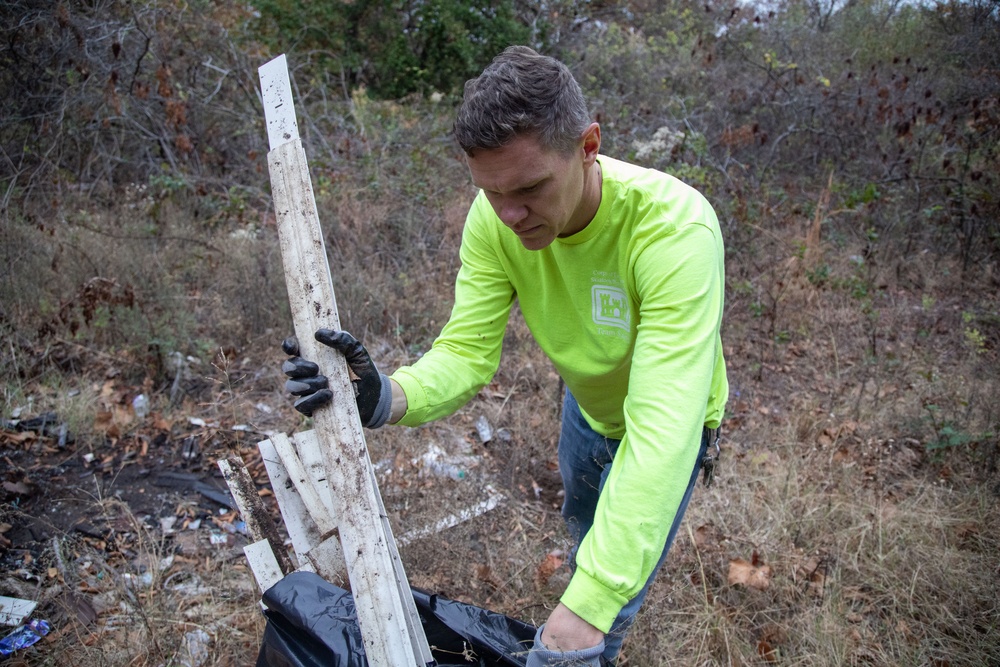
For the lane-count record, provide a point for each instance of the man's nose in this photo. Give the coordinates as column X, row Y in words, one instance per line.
column 511, row 213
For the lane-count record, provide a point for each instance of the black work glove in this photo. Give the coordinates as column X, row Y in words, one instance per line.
column 304, row 380
column 371, row 388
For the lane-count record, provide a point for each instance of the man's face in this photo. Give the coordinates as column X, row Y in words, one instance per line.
column 539, row 193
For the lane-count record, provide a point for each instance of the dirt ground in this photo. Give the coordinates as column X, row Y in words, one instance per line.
column 93, row 526
column 127, row 536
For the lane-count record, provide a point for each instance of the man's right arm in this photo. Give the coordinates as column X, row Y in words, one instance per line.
column 466, row 354
column 398, row 408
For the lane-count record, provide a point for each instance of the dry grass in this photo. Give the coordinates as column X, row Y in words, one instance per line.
column 880, row 552
column 860, row 447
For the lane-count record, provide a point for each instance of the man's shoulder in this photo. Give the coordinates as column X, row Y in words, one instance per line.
column 637, row 177
column 641, row 185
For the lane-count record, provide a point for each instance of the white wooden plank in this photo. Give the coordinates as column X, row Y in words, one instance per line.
column 258, row 519
column 380, row 606
column 263, row 564
column 279, row 109
column 327, row 560
column 311, row 455
column 303, row 485
column 323, row 561
column 302, row 530
column 412, row 618
column 13, row 611
column 453, row 520
column 310, row 290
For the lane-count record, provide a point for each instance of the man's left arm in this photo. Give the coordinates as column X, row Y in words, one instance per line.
column 673, row 380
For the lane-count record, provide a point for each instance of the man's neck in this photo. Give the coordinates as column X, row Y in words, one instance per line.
column 590, row 201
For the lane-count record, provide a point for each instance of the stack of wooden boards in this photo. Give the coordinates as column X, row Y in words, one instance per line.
column 323, row 479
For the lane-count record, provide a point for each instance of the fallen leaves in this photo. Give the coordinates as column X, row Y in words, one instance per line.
column 771, row 639
column 707, row 536
column 813, row 573
column 19, row 438
column 20, row 488
column 752, row 574
column 834, row 434
column 552, row 562
column 484, row 573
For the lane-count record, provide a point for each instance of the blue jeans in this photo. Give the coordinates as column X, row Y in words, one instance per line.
column 585, row 459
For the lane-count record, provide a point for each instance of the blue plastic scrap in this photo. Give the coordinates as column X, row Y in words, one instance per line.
column 24, row 636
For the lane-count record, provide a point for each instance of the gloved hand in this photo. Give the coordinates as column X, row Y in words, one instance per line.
column 304, row 379
column 371, row 388
column 542, row 656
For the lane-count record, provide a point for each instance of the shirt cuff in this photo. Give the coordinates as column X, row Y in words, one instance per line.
column 593, row 601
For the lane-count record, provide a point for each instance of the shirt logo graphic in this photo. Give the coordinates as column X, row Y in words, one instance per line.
column 610, row 306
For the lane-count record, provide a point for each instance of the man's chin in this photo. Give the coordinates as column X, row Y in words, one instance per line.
column 536, row 242
column 535, row 238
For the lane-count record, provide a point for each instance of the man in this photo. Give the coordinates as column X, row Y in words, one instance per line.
column 618, row 271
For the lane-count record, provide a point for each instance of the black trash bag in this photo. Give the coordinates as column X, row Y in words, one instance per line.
column 312, row 623
column 453, row 627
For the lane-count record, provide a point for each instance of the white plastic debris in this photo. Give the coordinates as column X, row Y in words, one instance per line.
column 484, row 429
column 437, row 462
column 141, row 406
column 167, row 524
column 194, row 649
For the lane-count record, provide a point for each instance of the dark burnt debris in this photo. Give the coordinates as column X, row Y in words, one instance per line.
column 132, row 504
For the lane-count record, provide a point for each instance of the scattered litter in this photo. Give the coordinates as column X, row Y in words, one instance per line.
column 185, row 582
column 453, row 520
column 167, row 524
column 24, row 636
column 189, row 448
column 194, row 650
column 194, row 524
column 218, row 537
column 144, row 580
column 235, row 527
column 141, row 406
column 484, row 429
column 222, row 497
column 38, row 424
column 264, row 407
column 169, row 478
column 435, row 461
column 46, row 425
column 13, row 611
column 175, row 479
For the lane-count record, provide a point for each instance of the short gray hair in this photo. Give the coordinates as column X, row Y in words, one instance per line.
column 522, row 93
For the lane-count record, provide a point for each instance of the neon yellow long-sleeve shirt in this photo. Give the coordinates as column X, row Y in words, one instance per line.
column 629, row 311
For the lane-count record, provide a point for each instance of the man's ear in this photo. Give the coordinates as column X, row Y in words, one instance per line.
column 591, row 143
